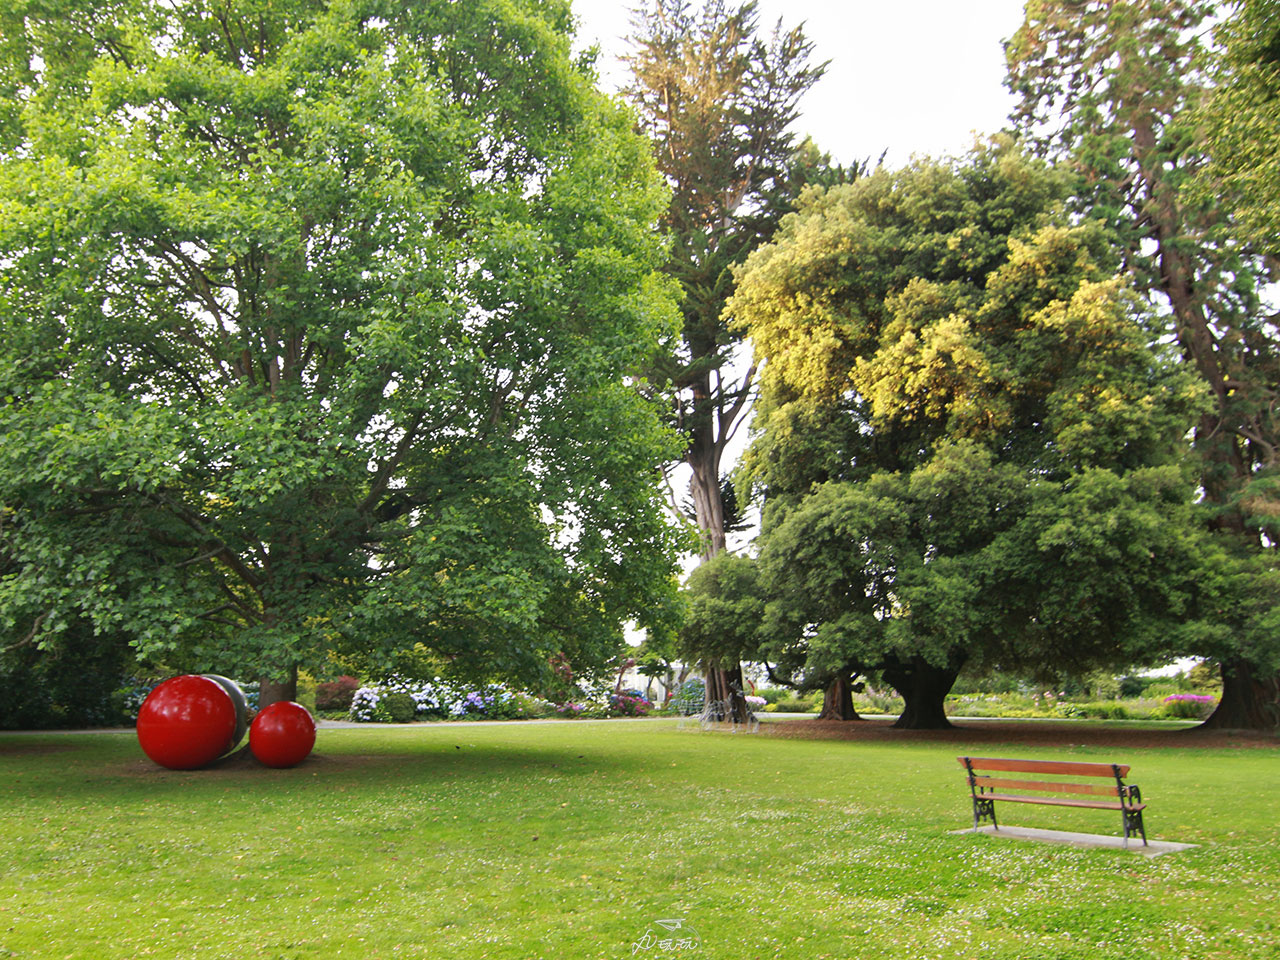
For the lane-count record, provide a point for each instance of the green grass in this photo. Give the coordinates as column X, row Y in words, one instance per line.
column 568, row 840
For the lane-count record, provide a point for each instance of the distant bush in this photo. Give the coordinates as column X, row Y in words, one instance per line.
column 1187, row 706
column 400, row 707
column 1097, row 710
column 1132, row 686
column 527, row 705
column 75, row 683
column 809, row 703
column 336, row 694
column 872, row 701
column 627, row 704
column 690, row 697
column 441, row 699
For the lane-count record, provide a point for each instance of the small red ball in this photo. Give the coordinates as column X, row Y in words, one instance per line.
column 282, row 734
column 186, row 722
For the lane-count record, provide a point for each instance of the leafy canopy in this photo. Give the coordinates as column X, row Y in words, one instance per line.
column 317, row 323
column 968, row 445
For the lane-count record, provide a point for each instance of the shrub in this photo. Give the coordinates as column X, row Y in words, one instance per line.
column 364, row 705
column 336, row 694
column 870, row 701
column 628, row 705
column 399, row 706
column 1187, row 706
column 1097, row 710
column 1205, row 677
column 533, row 707
column 690, row 698
column 73, row 683
column 810, row 703
column 1132, row 686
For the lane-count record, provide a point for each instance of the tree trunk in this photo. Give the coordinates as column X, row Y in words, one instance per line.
column 725, row 699
column 837, row 701
column 724, row 684
column 1249, row 702
column 923, row 688
column 272, row 690
column 1229, row 459
column 704, row 458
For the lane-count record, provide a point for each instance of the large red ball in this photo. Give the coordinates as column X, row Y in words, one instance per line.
column 186, row 722
column 282, row 734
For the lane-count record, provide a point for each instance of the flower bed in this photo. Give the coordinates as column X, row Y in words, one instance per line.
column 442, row 700
column 439, row 699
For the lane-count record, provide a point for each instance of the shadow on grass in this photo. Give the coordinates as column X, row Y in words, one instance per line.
column 1041, row 733
column 89, row 765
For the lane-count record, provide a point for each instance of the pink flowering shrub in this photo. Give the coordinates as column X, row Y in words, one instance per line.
column 1188, row 706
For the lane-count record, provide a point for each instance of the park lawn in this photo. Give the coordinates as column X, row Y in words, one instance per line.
column 568, row 840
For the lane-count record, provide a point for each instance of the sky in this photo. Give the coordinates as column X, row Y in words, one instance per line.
column 909, row 77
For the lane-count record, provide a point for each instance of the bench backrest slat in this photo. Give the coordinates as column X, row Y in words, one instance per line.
column 1069, row 768
column 1047, row 787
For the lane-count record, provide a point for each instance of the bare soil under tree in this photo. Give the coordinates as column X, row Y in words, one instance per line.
column 1013, row 733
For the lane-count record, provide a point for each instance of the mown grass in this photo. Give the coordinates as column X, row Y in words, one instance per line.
column 568, row 840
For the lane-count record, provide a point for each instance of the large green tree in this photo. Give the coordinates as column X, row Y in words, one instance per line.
column 717, row 100
column 320, row 325
column 968, row 447
column 1108, row 87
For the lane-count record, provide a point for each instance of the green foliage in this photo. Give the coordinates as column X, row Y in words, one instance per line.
column 792, row 702
column 1205, row 677
column 317, row 328
column 398, row 707
column 1187, row 707
column 725, row 604
column 1239, row 123
column 74, row 683
column 1105, row 711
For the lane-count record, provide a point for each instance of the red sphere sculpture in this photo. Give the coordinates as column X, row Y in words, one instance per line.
column 282, row 734
column 186, row 722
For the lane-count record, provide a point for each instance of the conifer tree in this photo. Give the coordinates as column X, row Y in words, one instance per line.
column 717, row 99
column 1108, row 87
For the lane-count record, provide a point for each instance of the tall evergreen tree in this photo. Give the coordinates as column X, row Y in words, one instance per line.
column 1108, row 87
column 717, row 100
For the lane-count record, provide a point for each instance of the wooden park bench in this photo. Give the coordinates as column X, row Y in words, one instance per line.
column 987, row 789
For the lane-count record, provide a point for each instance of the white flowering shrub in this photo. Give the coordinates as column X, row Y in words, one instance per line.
column 364, row 704
column 445, row 699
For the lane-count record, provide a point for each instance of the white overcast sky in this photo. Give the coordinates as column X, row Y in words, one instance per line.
column 910, row 77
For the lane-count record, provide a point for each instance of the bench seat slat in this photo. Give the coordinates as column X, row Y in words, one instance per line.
column 1047, row 786
column 1071, row 768
column 1063, row 802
